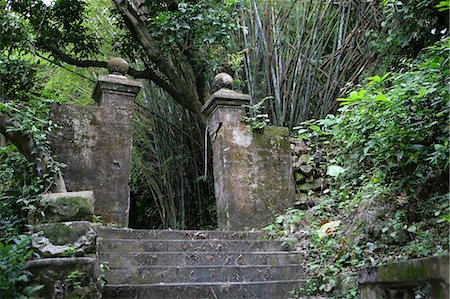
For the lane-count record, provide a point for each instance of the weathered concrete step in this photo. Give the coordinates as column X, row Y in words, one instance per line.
column 213, row 290
column 126, row 233
column 158, row 274
column 140, row 245
column 120, row 259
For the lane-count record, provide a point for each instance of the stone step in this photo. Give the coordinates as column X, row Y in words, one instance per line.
column 158, row 274
column 126, row 233
column 141, row 245
column 133, row 259
column 213, row 290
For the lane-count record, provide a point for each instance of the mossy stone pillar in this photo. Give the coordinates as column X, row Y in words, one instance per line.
column 115, row 96
column 252, row 170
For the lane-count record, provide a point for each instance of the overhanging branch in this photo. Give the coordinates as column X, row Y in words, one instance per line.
column 67, row 59
column 137, row 74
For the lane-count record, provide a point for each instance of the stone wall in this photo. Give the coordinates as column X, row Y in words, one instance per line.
column 418, row 278
column 75, row 144
column 310, row 167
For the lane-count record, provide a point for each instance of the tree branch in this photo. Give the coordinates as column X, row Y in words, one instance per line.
column 137, row 74
column 28, row 147
column 138, row 30
column 183, row 92
column 67, row 59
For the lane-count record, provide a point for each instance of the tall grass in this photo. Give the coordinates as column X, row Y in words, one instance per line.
column 169, row 189
column 301, row 54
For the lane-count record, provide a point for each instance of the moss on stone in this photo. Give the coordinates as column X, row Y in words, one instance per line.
column 55, row 232
column 62, row 209
column 270, row 136
column 403, row 272
column 64, row 233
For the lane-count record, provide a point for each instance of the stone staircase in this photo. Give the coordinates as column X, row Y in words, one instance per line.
column 196, row 264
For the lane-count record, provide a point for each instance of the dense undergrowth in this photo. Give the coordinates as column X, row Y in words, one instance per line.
column 387, row 193
column 19, row 191
column 26, row 102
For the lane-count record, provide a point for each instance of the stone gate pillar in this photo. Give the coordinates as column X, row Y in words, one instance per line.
column 114, row 95
column 95, row 143
column 252, row 170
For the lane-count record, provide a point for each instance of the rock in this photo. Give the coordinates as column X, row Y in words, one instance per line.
column 306, row 187
column 306, row 169
column 317, row 183
column 401, row 278
column 299, row 146
column 64, row 239
column 301, row 202
column 63, row 207
column 304, row 159
column 314, row 185
column 298, row 177
column 298, row 150
column 302, row 197
column 304, row 202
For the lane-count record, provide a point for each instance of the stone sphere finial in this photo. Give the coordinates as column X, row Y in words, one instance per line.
column 117, row 66
column 223, row 80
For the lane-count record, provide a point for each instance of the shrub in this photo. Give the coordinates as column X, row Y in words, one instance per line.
column 13, row 277
column 391, row 200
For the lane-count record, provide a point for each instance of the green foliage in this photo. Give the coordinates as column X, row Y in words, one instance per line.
column 201, row 24
column 33, row 121
column 60, row 25
column 15, row 31
column 75, row 278
column 256, row 120
column 19, row 185
column 192, row 32
column 13, row 278
column 16, row 78
column 443, row 5
column 390, row 157
column 406, row 27
column 24, row 71
column 200, row 30
column 395, row 127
